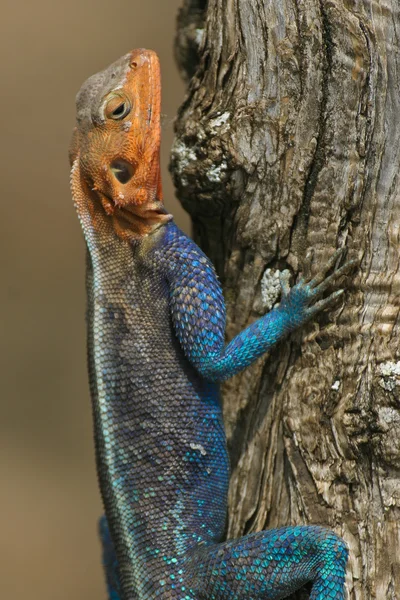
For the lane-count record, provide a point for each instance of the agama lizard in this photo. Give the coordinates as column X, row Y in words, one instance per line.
column 156, row 325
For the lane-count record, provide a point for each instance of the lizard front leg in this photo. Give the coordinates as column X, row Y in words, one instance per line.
column 198, row 312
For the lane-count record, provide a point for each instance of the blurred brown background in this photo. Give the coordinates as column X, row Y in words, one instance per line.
column 49, row 502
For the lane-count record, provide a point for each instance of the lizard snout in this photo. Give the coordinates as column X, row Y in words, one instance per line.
column 141, row 56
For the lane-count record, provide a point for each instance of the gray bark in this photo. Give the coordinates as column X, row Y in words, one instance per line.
column 289, row 140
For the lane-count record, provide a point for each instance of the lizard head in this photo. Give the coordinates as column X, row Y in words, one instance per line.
column 116, row 143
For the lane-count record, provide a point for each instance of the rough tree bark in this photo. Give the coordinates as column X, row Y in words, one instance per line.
column 289, row 140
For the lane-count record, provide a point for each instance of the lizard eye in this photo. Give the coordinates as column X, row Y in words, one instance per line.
column 117, row 108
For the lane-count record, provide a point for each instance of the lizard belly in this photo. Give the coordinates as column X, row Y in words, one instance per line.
column 161, row 453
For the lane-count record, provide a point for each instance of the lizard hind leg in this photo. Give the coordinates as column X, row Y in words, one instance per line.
column 270, row 565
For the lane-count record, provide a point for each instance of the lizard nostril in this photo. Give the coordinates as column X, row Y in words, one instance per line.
column 122, row 170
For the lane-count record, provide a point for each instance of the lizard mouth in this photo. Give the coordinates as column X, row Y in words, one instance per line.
column 151, row 211
column 136, row 220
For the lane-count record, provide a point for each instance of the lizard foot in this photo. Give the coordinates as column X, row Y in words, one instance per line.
column 303, row 301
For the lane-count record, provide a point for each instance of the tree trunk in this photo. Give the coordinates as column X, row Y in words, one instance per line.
column 289, row 140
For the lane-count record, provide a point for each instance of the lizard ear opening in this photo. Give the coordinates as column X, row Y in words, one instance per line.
column 122, row 170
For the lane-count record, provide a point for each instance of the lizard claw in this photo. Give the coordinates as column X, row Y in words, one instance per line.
column 301, row 301
column 307, row 262
column 320, row 288
column 284, row 278
column 321, row 283
column 324, row 303
column 321, row 275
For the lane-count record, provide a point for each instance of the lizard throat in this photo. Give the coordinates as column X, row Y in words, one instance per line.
column 98, row 212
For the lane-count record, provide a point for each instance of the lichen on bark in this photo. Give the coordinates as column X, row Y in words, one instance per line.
column 289, row 141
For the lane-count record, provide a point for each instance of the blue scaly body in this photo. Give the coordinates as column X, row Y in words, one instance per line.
column 156, row 326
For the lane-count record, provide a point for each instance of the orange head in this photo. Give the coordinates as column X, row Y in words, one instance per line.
column 117, row 141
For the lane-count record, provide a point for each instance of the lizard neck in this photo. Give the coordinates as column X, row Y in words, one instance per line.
column 100, row 217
